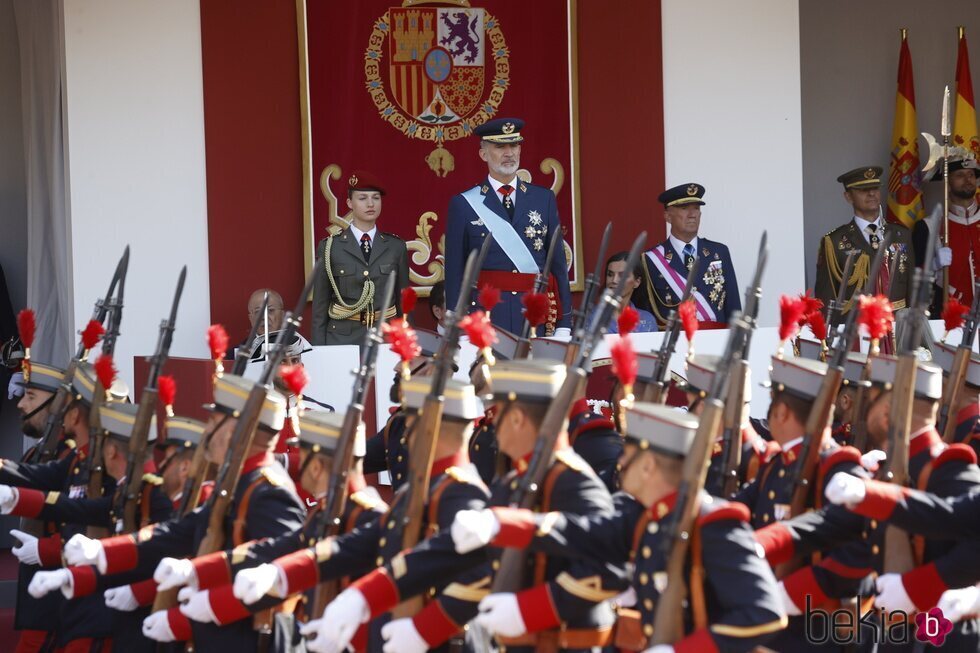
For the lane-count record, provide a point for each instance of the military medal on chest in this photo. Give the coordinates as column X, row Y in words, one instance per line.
column 714, row 278
column 535, row 231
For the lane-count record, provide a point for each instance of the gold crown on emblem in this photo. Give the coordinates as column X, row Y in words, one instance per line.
column 353, row 180
column 692, row 190
column 508, row 127
column 869, row 173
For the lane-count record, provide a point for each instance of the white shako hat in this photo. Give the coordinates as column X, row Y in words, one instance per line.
column 928, row 376
column 231, row 392
column 83, row 384
column 854, row 368
column 527, row 380
column 460, row 400
column 942, row 355
column 797, row 376
column 810, row 349
column 319, row 431
column 118, row 420
column 660, row 428
column 182, row 432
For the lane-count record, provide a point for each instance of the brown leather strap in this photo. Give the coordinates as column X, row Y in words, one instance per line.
column 919, row 540
column 433, row 512
column 541, row 559
column 241, row 515
column 695, row 588
column 553, row 640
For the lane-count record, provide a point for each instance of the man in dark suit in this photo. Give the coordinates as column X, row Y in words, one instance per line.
column 522, row 218
column 864, row 233
column 356, row 264
column 667, row 265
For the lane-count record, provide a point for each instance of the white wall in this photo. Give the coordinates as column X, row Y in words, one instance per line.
column 732, row 123
column 135, row 125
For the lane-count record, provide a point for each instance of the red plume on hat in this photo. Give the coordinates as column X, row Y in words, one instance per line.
column 818, row 325
column 876, row 317
column 295, row 378
column 409, row 299
column 404, row 342
column 105, row 371
column 26, row 327
column 811, row 305
column 628, row 319
column 167, row 391
column 536, row 307
column 91, row 334
column 489, row 297
column 954, row 315
column 791, row 313
column 624, row 363
column 687, row 311
column 218, row 344
column 479, row 329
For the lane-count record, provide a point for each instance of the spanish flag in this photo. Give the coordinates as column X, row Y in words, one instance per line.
column 965, row 116
column 904, row 192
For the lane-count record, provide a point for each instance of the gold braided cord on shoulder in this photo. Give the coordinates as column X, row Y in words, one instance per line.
column 366, row 301
column 859, row 276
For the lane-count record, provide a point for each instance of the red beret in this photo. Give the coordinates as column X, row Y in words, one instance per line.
column 364, row 180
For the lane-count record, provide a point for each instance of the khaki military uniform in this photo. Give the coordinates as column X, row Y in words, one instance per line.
column 347, row 291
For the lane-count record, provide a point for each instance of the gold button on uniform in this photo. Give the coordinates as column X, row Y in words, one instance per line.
column 772, row 494
column 379, row 562
column 365, row 273
column 644, row 579
column 875, row 549
column 646, row 552
column 874, row 523
column 382, row 541
column 781, row 473
column 648, row 630
column 765, row 518
column 653, row 528
column 648, row 604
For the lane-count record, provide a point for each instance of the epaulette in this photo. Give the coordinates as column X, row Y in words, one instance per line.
column 955, row 452
column 571, row 460
column 152, row 479
column 835, row 457
column 273, row 476
column 388, row 233
column 464, row 475
column 719, row 509
column 367, row 500
column 70, row 444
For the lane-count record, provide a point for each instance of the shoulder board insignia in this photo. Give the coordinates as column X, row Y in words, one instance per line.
column 71, row 444
column 51, row 498
column 465, row 475
column 240, row 552
column 152, row 479
column 365, row 500
column 523, row 188
column 484, row 189
column 955, row 452
column 571, row 459
column 272, row 476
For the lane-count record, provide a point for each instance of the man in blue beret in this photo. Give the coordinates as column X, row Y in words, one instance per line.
column 667, row 265
column 522, row 217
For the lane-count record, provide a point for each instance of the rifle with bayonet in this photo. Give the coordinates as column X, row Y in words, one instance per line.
column 509, row 576
column 731, row 439
column 958, row 369
column 668, row 625
column 248, row 421
column 540, row 285
column 898, row 556
column 96, row 468
column 48, row 445
column 822, row 409
column 329, row 518
column 835, row 307
column 656, row 390
column 409, row 513
column 127, row 503
column 592, row 283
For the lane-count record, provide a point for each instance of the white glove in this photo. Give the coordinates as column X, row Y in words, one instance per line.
column 563, row 332
column 26, row 551
column 121, row 598
column 872, row 459
column 48, row 581
column 473, row 529
column 626, row 599
column 944, row 257
column 196, row 606
column 8, row 499
column 252, row 584
column 339, row 623
column 845, row 490
column 401, row 636
column 81, row 551
column 501, row 615
column 14, row 387
column 157, row 627
column 957, row 604
column 660, row 648
column 892, row 595
column 175, row 572
column 788, row 606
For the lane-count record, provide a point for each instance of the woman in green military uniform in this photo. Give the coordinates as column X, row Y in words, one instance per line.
column 355, row 264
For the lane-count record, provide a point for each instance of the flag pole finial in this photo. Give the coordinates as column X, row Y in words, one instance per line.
column 904, row 32
column 960, row 31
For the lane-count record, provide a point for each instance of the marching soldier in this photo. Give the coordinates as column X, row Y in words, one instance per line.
column 522, row 390
column 667, row 265
column 967, row 411
column 864, row 233
column 737, row 606
column 356, row 262
column 182, row 436
column 265, row 505
column 454, row 485
column 522, row 218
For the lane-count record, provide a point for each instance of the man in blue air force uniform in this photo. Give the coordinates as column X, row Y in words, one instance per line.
column 715, row 294
column 522, row 217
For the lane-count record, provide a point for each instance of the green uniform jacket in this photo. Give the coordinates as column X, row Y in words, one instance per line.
column 832, row 255
column 350, row 273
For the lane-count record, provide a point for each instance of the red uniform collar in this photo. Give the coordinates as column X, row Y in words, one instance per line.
column 457, row 459
column 662, row 508
column 263, row 459
column 522, row 464
column 790, row 455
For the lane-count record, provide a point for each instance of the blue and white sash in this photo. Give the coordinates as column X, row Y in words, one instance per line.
column 503, row 233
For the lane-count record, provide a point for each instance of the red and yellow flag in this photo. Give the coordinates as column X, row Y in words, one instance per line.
column 965, row 116
column 904, row 192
